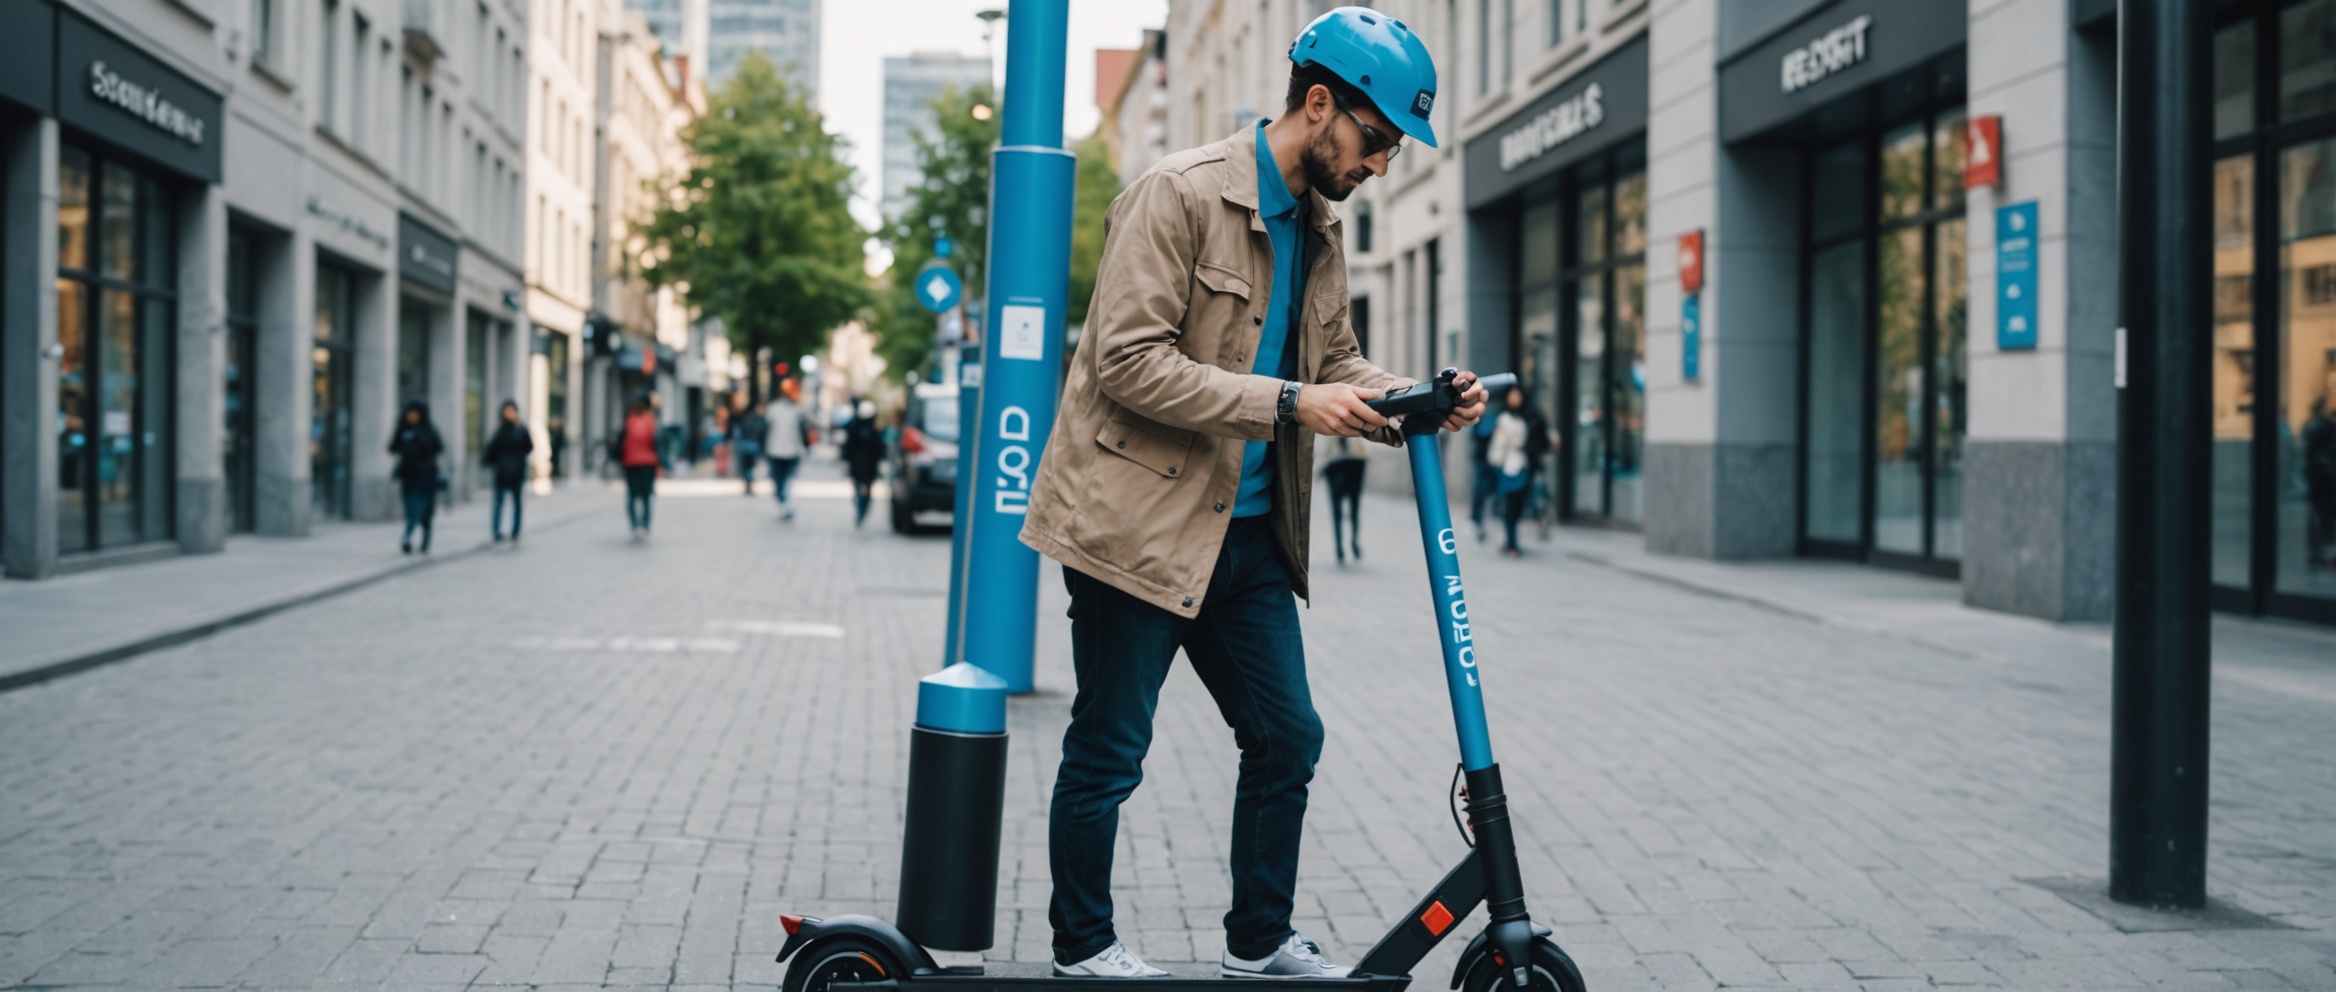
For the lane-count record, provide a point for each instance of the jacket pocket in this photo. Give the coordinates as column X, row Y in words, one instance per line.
column 1164, row 450
column 1221, row 278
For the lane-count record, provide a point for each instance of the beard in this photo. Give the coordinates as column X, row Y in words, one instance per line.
column 1315, row 161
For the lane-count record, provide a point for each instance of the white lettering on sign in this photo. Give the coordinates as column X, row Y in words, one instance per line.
column 1839, row 49
column 1462, row 635
column 144, row 104
column 1014, row 461
column 1022, row 332
column 1553, row 127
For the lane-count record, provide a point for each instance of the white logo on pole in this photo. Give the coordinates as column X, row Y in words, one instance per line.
column 1013, row 494
column 937, row 288
column 1022, row 333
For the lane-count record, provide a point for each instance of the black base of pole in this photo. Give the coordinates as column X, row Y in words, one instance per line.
column 949, row 851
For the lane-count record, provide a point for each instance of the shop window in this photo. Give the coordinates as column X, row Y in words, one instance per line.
column 117, row 272
column 2307, row 59
column 1580, row 349
column 2234, row 80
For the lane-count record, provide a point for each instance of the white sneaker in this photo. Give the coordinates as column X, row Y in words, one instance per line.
column 1297, row 958
column 1115, row 961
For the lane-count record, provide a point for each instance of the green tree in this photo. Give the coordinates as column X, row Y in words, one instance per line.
column 952, row 199
column 759, row 231
column 1098, row 185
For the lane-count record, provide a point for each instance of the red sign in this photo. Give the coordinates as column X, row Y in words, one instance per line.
column 1983, row 152
column 1691, row 262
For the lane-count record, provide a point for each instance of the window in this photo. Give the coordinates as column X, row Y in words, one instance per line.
column 1483, row 46
column 263, row 31
column 1556, row 22
column 1363, row 215
column 329, row 64
column 357, row 73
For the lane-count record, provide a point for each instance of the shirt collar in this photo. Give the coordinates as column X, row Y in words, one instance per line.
column 1273, row 195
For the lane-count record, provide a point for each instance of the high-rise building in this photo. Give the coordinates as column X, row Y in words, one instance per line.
column 785, row 31
column 910, row 86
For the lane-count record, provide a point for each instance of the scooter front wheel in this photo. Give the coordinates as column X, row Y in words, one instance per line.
column 1553, row 971
column 842, row 959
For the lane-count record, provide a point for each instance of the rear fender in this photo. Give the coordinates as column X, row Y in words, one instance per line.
column 815, row 931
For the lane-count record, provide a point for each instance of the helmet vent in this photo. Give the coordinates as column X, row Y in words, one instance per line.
column 1366, row 80
column 1368, row 19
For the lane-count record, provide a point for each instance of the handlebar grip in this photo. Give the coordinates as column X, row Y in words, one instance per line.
column 1498, row 383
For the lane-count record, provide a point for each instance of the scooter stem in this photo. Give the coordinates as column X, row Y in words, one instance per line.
column 1453, row 630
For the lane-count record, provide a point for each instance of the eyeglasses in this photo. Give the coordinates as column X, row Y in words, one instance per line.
column 1374, row 140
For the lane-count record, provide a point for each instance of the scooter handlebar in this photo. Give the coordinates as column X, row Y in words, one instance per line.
column 1498, row 382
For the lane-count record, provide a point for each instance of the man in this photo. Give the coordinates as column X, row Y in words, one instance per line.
column 506, row 456
column 1176, row 484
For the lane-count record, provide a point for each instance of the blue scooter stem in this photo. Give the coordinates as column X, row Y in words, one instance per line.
column 1452, row 625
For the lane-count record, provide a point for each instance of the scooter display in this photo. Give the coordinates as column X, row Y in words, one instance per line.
column 1511, row 953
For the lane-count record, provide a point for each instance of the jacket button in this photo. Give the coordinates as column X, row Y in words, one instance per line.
column 1171, row 470
column 1257, row 319
column 1188, row 601
column 1123, row 444
column 1220, row 508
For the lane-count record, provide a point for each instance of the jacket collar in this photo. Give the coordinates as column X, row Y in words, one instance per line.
column 1241, row 184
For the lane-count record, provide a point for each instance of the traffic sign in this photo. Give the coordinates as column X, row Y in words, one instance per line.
column 938, row 288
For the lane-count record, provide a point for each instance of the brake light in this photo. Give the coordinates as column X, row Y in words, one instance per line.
column 792, row 923
column 912, row 440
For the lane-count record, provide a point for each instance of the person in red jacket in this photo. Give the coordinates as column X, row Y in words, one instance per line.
column 637, row 452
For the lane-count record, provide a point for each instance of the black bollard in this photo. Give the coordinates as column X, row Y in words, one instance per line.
column 956, row 804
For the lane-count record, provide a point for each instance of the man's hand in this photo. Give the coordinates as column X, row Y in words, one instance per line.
column 1471, row 408
column 1336, row 409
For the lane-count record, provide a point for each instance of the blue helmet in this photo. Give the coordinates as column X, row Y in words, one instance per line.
column 1376, row 54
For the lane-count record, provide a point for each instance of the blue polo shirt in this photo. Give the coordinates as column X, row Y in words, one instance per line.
column 1275, row 359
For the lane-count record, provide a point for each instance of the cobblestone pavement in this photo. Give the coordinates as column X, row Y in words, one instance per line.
column 590, row 763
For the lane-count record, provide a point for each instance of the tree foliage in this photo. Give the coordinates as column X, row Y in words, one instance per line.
column 953, row 199
column 759, row 231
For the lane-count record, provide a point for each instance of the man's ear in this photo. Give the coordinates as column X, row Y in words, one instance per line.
column 1319, row 104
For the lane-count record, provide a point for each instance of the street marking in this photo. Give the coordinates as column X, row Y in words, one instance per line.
column 781, row 628
column 649, row 645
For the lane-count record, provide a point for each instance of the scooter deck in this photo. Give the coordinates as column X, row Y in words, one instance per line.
column 1022, row 976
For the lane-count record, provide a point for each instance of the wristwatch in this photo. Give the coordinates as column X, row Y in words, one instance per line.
column 1285, row 410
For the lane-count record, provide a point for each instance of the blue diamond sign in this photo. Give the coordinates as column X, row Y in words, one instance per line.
column 938, row 288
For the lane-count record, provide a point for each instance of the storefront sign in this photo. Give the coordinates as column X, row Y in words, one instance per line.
column 2015, row 276
column 353, row 226
column 1691, row 262
column 1983, row 163
column 28, row 55
column 1603, row 103
column 1839, row 49
column 424, row 256
column 1553, row 127
column 1835, row 52
column 1691, row 337
column 119, row 94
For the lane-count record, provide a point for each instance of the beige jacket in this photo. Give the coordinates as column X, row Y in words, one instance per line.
column 1139, row 477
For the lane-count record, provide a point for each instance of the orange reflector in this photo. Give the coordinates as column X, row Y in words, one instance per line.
column 1437, row 919
column 792, row 923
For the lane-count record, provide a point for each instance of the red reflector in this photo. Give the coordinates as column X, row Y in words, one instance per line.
column 1437, row 919
column 792, row 923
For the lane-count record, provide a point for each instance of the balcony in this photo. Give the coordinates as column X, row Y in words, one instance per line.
column 427, row 25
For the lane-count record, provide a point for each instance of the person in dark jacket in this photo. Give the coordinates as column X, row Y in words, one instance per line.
column 863, row 451
column 417, row 446
column 506, row 456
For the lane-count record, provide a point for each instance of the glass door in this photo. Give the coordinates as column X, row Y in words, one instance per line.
column 1602, row 293
column 331, row 400
column 116, row 269
column 236, row 440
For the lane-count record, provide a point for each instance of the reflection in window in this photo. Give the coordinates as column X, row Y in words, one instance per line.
column 2307, row 59
column 2304, row 490
column 2234, row 80
column 2234, row 372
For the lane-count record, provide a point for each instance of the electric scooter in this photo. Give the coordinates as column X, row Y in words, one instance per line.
column 1511, row 954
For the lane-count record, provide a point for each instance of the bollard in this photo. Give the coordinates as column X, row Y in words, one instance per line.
column 956, row 803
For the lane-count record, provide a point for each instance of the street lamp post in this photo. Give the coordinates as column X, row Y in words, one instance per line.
column 1022, row 338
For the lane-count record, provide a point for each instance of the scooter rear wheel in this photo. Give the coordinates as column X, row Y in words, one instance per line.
column 1553, row 971
column 844, row 959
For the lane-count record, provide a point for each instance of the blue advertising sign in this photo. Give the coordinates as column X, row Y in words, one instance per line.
column 2015, row 276
column 938, row 288
column 1691, row 337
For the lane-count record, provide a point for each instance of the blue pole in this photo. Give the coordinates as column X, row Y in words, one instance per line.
column 1031, row 178
column 961, row 515
column 1453, row 629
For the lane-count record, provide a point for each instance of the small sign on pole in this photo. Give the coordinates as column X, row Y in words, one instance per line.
column 1691, row 261
column 1983, row 152
column 2015, row 276
column 938, row 288
column 1691, row 337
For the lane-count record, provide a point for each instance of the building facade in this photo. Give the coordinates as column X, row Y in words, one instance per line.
column 564, row 156
column 1134, row 102
column 1835, row 278
column 784, row 31
column 225, row 219
column 911, row 85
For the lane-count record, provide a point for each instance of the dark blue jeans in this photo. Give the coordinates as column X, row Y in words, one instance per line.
column 640, row 490
column 421, row 508
column 1245, row 647
column 501, row 493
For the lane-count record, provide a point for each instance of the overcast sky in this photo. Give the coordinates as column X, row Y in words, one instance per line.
column 857, row 35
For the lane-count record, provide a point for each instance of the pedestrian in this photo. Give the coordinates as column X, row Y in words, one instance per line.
column 786, row 437
column 416, row 445
column 1344, row 473
column 1484, row 482
column 748, row 431
column 863, row 452
column 1514, row 460
column 557, row 431
column 506, row 456
column 1174, row 489
column 637, row 451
